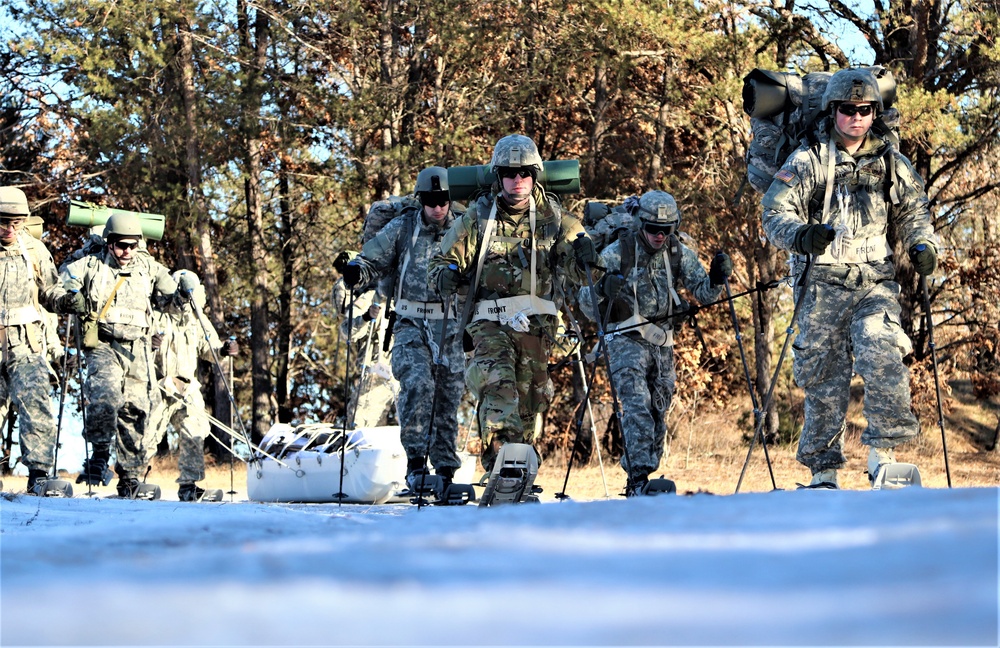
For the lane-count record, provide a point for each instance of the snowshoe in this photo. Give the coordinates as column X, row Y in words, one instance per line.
column 423, row 488
column 40, row 484
column 193, row 493
column 457, row 495
column 134, row 489
column 885, row 473
column 513, row 476
column 649, row 487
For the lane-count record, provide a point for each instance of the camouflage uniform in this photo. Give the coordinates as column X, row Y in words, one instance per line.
column 850, row 317
column 182, row 405
column 403, row 249
column 643, row 371
column 28, row 280
column 120, row 387
column 508, row 371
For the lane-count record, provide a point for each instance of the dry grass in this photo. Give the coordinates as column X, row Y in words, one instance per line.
column 707, row 452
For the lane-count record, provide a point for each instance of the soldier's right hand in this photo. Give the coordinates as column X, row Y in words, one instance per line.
column 813, row 239
column 448, row 280
column 352, row 274
column 611, row 285
column 342, row 259
column 72, row 303
column 156, row 341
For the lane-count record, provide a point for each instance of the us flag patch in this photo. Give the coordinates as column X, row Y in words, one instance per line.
column 785, row 176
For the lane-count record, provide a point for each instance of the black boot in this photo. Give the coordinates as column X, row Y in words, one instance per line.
column 637, row 486
column 447, row 475
column 127, row 487
column 95, row 470
column 36, row 479
column 190, row 493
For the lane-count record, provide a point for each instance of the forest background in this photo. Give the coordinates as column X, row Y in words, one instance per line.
column 264, row 130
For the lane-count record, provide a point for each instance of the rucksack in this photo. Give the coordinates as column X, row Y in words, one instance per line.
column 784, row 110
column 383, row 211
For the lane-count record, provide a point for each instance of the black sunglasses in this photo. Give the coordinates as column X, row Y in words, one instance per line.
column 515, row 172
column 850, row 110
column 434, row 198
column 655, row 230
column 123, row 246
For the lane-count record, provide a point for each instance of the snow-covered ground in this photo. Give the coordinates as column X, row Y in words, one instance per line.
column 910, row 567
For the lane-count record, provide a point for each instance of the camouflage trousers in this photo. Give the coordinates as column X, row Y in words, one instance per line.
column 24, row 380
column 120, row 395
column 509, row 378
column 645, row 379
column 184, row 410
column 421, row 389
column 849, row 322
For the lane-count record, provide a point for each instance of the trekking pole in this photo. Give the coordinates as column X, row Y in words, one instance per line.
column 232, row 452
column 603, row 346
column 579, row 427
column 759, row 427
column 436, row 375
column 746, row 374
column 937, row 382
column 83, row 404
column 63, row 380
column 347, row 398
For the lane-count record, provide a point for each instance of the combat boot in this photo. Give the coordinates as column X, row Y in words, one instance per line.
column 36, row 481
column 636, row 486
column 190, row 493
column 127, row 487
column 878, row 457
column 825, row 479
column 95, row 469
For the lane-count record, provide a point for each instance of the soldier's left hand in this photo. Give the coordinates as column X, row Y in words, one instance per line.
column 584, row 251
column 230, row 348
column 924, row 258
column 156, row 341
column 72, row 303
column 721, row 269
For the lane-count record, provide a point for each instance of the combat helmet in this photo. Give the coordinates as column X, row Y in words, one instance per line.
column 13, row 203
column 122, row 225
column 432, row 187
column 658, row 208
column 516, row 151
column 857, row 85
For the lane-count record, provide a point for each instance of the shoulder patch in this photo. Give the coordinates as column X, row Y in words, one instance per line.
column 786, row 176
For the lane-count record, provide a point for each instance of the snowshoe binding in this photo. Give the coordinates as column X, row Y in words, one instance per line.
column 131, row 488
column 649, row 487
column 513, row 476
column 886, row 474
column 437, row 489
column 822, row 480
column 40, row 484
column 95, row 469
column 194, row 493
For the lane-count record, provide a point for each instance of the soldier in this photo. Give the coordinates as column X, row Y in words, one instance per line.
column 514, row 245
column 118, row 284
column 28, row 281
column 638, row 293
column 403, row 249
column 849, row 318
column 182, row 336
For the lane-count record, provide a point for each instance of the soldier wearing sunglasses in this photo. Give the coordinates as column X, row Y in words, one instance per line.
column 839, row 200
column 118, row 284
column 403, row 250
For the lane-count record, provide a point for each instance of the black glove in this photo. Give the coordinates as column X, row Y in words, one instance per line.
column 352, row 274
column 924, row 258
column 230, row 348
column 156, row 341
column 584, row 250
column 721, row 269
column 611, row 284
column 342, row 260
column 813, row 239
column 448, row 280
column 72, row 303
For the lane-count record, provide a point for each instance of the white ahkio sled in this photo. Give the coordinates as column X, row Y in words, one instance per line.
column 302, row 464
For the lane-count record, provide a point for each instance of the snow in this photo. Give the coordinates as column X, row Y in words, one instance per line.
column 907, row 567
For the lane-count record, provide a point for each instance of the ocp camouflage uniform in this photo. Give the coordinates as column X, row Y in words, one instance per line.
column 120, row 388
column 850, row 316
column 182, row 404
column 402, row 250
column 28, row 281
column 508, row 371
column 643, row 370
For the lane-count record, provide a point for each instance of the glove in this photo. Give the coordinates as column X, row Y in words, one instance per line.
column 72, row 303
column 584, row 250
column 230, row 348
column 721, row 269
column 156, row 341
column 352, row 274
column 924, row 258
column 813, row 239
column 342, row 260
column 611, row 285
column 448, row 280
column 187, row 282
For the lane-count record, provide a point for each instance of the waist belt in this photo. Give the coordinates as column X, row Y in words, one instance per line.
column 867, row 250
column 421, row 310
column 507, row 307
column 647, row 330
column 20, row 315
